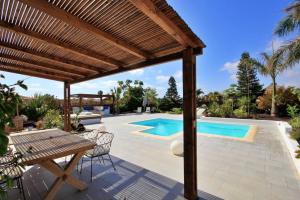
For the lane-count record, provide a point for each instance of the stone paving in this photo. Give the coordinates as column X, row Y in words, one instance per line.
column 146, row 168
column 227, row 168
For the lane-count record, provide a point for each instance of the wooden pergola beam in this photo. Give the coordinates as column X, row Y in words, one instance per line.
column 83, row 67
column 8, row 68
column 67, row 106
column 38, row 70
column 146, row 63
column 189, row 125
column 84, row 26
column 61, row 45
column 149, row 9
column 45, row 66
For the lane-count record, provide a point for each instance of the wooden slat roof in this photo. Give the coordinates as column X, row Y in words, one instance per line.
column 78, row 40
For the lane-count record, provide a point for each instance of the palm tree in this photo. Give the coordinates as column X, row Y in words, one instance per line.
column 199, row 96
column 288, row 25
column 272, row 65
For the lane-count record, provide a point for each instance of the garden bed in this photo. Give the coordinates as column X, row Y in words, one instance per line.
column 292, row 145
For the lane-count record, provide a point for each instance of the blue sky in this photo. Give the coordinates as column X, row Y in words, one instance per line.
column 228, row 28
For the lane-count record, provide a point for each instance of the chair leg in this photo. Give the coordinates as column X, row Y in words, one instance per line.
column 112, row 163
column 19, row 186
column 99, row 160
column 22, row 188
column 91, row 169
column 81, row 165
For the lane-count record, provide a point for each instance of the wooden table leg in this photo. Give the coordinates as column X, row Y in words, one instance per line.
column 63, row 175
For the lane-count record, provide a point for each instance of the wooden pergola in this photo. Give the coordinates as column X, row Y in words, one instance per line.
column 79, row 40
column 94, row 96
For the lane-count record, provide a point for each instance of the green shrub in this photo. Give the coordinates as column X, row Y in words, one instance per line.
column 38, row 106
column 240, row 113
column 176, row 111
column 295, row 134
column 226, row 109
column 298, row 152
column 292, row 111
column 53, row 119
column 214, row 110
column 295, row 122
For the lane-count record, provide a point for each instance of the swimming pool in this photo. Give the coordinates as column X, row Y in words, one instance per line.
column 169, row 127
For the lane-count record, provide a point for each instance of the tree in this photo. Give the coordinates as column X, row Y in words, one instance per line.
column 271, row 66
column 231, row 92
column 171, row 99
column 100, row 92
column 132, row 95
column 199, row 97
column 284, row 97
column 117, row 91
column 37, row 107
column 290, row 24
column 9, row 100
column 248, row 84
column 231, row 95
column 212, row 97
column 151, row 97
column 172, row 92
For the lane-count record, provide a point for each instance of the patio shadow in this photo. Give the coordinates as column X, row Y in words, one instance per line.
column 129, row 182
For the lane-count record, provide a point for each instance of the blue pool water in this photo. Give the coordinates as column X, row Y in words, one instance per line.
column 168, row 127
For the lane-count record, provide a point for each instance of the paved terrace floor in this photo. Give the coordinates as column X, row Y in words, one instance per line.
column 146, row 169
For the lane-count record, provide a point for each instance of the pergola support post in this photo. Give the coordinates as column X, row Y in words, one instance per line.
column 190, row 122
column 67, row 106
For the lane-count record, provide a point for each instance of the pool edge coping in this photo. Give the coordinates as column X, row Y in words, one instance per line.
column 249, row 136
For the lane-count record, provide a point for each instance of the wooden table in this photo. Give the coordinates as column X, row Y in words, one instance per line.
column 44, row 146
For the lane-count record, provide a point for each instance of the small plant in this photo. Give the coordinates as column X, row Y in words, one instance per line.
column 214, row 109
column 295, row 122
column 76, row 120
column 226, row 109
column 40, row 125
column 38, row 106
column 53, row 119
column 297, row 152
column 176, row 111
column 240, row 113
column 295, row 134
column 292, row 111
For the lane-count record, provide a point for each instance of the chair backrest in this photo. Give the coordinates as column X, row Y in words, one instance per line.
column 92, row 135
column 104, row 142
column 139, row 110
column 8, row 163
column 7, row 158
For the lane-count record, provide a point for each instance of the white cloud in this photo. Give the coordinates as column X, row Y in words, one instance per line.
column 162, row 78
column 59, row 85
column 104, row 85
column 290, row 77
column 274, row 44
column 137, row 72
column 231, row 68
column 178, row 74
column 84, row 85
column 36, row 88
column 33, row 85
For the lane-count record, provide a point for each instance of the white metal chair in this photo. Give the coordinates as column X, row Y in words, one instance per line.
column 148, row 110
column 139, row 110
column 104, row 141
